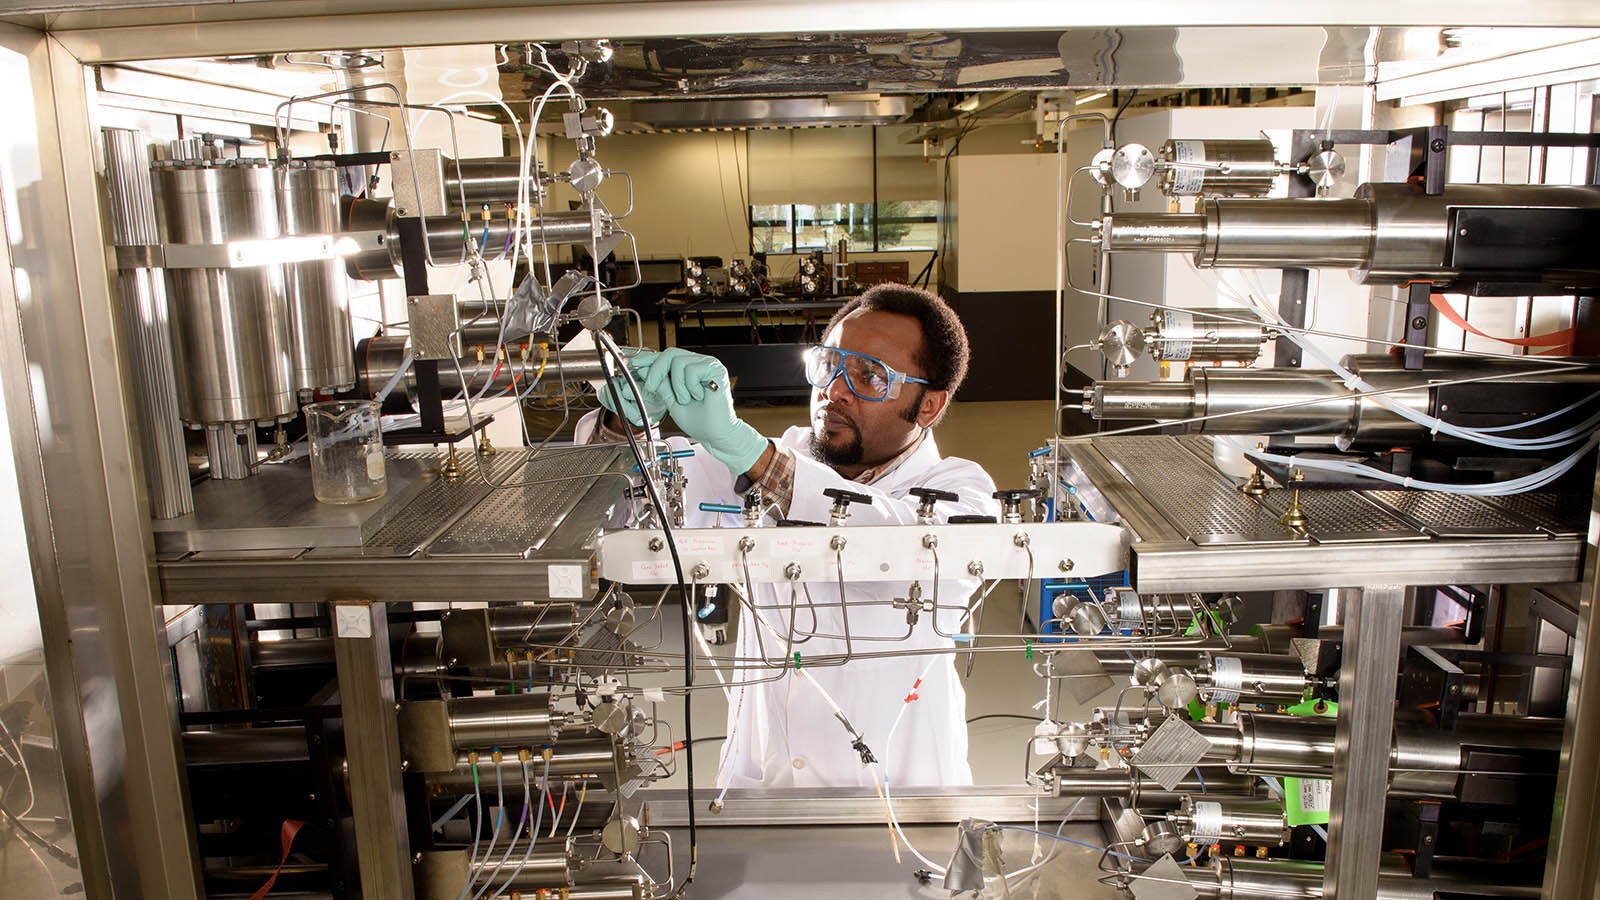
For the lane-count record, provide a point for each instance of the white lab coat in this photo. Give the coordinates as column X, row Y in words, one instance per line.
column 782, row 733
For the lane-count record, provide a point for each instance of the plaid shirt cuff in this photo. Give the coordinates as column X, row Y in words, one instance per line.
column 777, row 482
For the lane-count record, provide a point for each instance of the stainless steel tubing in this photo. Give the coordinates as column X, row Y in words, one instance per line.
column 143, row 295
column 230, row 326
column 245, row 746
column 502, row 721
column 1238, row 168
column 319, row 305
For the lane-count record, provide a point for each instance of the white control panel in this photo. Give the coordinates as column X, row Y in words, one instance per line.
column 866, row 552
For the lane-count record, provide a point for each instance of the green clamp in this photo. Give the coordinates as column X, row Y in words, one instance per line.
column 797, row 660
column 1027, row 650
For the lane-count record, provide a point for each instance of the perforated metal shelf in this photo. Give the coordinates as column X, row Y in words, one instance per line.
column 1197, row 531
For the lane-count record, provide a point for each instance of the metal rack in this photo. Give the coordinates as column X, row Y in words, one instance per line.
column 1195, row 531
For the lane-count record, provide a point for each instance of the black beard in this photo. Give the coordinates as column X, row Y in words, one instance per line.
column 848, row 455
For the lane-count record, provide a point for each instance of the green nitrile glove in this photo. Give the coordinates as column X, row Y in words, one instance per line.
column 700, row 399
column 655, row 406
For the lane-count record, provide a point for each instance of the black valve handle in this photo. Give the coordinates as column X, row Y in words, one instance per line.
column 930, row 495
column 1018, row 495
column 846, row 497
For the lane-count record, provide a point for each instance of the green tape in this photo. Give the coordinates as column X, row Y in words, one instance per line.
column 1027, row 652
column 797, row 660
column 1306, row 800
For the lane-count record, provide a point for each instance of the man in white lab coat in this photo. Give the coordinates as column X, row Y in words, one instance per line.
column 883, row 376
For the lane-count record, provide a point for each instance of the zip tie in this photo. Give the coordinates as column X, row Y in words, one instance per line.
column 797, row 660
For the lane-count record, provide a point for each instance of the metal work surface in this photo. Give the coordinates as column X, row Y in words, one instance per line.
column 268, row 534
column 863, row 806
column 782, row 863
column 1195, row 527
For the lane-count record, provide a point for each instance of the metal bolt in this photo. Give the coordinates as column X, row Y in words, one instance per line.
column 1021, row 539
column 655, row 545
column 1065, row 565
column 837, row 542
column 746, row 544
column 1437, row 145
column 792, row 571
column 1419, row 323
column 930, row 541
column 975, row 569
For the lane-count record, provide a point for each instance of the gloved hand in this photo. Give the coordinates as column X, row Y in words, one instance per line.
column 655, row 406
column 700, row 399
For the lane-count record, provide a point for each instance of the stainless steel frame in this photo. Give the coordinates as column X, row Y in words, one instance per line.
column 85, row 513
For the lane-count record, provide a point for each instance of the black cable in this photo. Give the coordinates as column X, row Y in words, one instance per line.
column 1003, row 716
column 61, row 855
column 1112, row 130
column 603, row 341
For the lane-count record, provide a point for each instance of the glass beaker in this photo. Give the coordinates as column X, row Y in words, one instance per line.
column 346, row 450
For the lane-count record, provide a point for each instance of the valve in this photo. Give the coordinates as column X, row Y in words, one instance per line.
column 928, row 497
column 841, row 503
column 1011, row 503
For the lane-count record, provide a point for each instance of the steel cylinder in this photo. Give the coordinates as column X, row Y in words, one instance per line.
column 581, row 757
column 1282, row 879
column 378, row 358
column 1242, row 401
column 231, row 339
column 1207, row 335
column 246, row 746
column 480, row 181
column 319, row 304
column 1256, row 677
column 1218, row 168
column 147, row 323
column 1132, row 789
column 1206, row 820
column 232, row 450
column 502, row 721
column 447, row 236
column 523, row 866
column 1386, row 234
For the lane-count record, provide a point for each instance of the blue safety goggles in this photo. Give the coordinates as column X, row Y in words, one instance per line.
column 866, row 376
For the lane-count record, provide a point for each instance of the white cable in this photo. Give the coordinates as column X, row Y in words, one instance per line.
column 511, row 844
column 527, row 854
